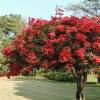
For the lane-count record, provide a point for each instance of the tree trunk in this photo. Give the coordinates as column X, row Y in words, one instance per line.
column 80, row 94
column 81, row 80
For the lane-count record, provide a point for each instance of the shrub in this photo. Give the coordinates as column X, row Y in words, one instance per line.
column 59, row 76
column 98, row 78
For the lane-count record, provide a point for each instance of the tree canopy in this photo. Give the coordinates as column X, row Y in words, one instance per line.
column 62, row 43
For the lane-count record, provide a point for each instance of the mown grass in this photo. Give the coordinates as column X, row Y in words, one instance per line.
column 43, row 89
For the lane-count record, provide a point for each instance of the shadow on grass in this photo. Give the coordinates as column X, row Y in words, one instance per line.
column 43, row 89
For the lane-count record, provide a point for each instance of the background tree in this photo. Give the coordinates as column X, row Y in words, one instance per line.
column 87, row 7
column 4, row 41
column 11, row 23
column 10, row 26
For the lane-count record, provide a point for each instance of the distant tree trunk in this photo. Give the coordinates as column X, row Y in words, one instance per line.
column 34, row 72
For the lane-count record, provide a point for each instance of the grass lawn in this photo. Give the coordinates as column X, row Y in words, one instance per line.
column 43, row 89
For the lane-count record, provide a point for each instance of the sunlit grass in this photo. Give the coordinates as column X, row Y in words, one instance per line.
column 44, row 89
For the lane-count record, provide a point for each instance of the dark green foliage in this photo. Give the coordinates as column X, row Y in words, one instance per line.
column 60, row 76
column 98, row 80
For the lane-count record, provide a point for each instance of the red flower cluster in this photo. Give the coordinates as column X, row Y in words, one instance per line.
column 60, row 28
column 14, row 69
column 52, row 35
column 86, row 24
column 96, row 46
column 80, row 53
column 62, row 38
column 96, row 59
column 8, row 51
column 31, row 57
column 97, row 28
column 48, row 51
column 64, row 20
column 65, row 55
column 80, row 37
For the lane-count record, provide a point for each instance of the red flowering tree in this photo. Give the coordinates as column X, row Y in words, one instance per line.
column 68, row 43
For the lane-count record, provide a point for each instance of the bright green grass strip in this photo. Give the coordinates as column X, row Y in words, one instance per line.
column 92, row 79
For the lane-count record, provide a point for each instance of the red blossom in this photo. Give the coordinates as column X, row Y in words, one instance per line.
column 64, row 20
column 87, row 44
column 60, row 28
column 96, row 59
column 80, row 37
column 48, row 51
column 85, row 25
column 14, row 69
column 53, row 62
column 31, row 57
column 96, row 46
column 50, row 42
column 52, row 35
column 97, row 39
column 8, row 51
column 72, row 29
column 65, row 55
column 62, row 38
column 97, row 28
column 80, row 53
column 73, row 21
